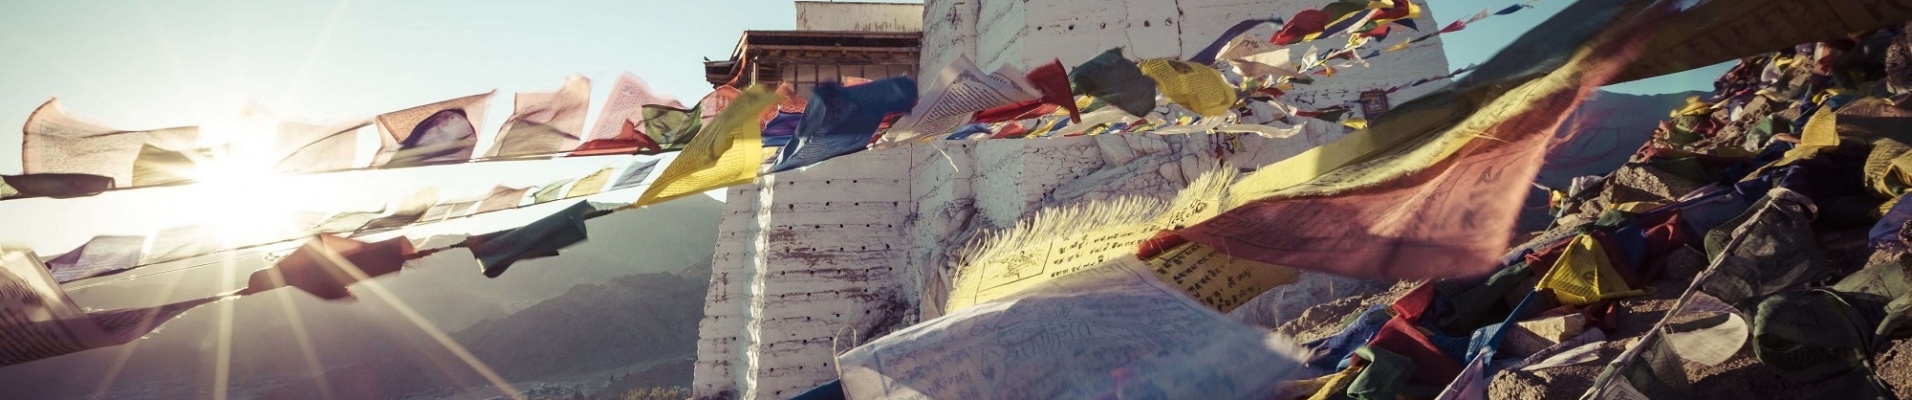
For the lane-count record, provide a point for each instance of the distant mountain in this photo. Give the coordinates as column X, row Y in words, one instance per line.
column 626, row 298
column 594, row 328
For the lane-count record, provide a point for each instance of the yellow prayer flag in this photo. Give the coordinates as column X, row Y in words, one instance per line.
column 1584, row 275
column 1195, row 87
column 728, row 151
column 591, row 184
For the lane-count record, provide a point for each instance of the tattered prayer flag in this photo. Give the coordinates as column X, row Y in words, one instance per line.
column 551, row 191
column 100, row 255
column 1052, row 82
column 727, row 152
column 325, row 265
column 496, row 251
column 1583, row 275
column 1147, row 340
column 841, row 120
column 544, row 123
column 1117, row 80
column 1421, row 210
column 502, row 198
column 625, row 106
column 672, row 127
column 40, row 321
column 634, row 175
column 781, row 129
column 57, row 186
column 1194, row 86
column 442, row 132
column 55, row 142
column 590, row 184
column 1304, row 23
column 1511, row 9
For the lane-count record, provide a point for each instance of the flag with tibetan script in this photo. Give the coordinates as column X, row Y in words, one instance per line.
column 436, row 133
column 544, row 123
column 56, row 142
column 39, row 321
column 727, row 152
column 841, row 120
column 626, row 106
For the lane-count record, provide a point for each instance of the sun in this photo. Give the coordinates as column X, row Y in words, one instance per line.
column 235, row 184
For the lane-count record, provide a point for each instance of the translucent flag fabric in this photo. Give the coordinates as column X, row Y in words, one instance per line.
column 544, row 123
column 442, row 132
column 502, row 198
column 1194, row 86
column 305, row 147
column 1420, row 211
column 1114, row 331
column 634, row 175
column 590, row 184
column 100, row 255
column 727, row 152
column 39, row 321
column 1117, row 80
column 625, row 106
column 551, row 191
column 841, row 120
column 542, row 238
column 56, row 142
column 325, row 265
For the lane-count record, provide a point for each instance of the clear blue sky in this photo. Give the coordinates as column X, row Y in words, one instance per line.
column 158, row 63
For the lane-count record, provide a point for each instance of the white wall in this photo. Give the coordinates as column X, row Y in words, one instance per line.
column 863, row 17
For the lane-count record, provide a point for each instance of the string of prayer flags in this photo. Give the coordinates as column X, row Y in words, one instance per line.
column 1117, row 80
column 326, row 264
column 841, row 120
column 544, row 123
column 442, row 132
column 496, row 251
column 727, row 152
